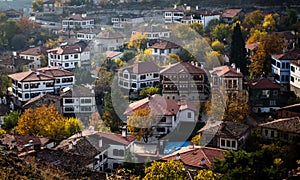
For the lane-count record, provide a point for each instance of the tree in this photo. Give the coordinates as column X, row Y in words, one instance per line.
column 221, row 32
column 11, row 120
column 37, row 5
column 253, row 18
column 165, row 170
column 18, row 42
column 9, row 29
column 140, row 124
column 53, row 43
column 292, row 15
column 5, row 82
column 27, row 26
column 269, row 23
column 47, row 122
column 255, row 36
column 196, row 140
column 128, row 55
column 83, row 76
column 198, row 27
column 138, row 41
column 98, row 124
column 150, row 90
column 217, row 46
column 238, row 51
column 172, row 58
column 206, row 174
column 261, row 60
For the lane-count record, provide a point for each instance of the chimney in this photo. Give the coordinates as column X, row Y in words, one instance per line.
column 175, row 6
column 196, row 64
column 37, row 73
column 192, row 62
column 233, row 65
column 202, row 162
column 124, row 131
column 100, row 143
column 177, row 156
column 188, row 8
column 238, row 70
column 197, row 8
column 70, row 145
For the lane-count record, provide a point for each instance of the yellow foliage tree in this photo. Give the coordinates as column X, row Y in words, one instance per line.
column 206, row 174
column 53, row 43
column 269, row 23
column 255, row 36
column 138, row 41
column 47, row 122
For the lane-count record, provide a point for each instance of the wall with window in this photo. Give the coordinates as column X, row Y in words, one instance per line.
column 226, row 143
column 281, row 70
column 186, row 115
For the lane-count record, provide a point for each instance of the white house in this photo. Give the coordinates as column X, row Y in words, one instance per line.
column 35, row 54
column 86, row 34
column 138, row 76
column 168, row 113
column 108, row 41
column 153, row 31
column 77, row 21
column 188, row 15
column 26, row 85
column 120, row 21
column 280, row 65
column 295, row 77
column 161, row 50
column 78, row 100
column 69, row 56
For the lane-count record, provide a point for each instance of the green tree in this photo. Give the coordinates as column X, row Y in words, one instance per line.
column 292, row 15
column 128, row 55
column 18, row 42
column 150, row 90
column 238, row 51
column 5, row 82
column 221, row 31
column 37, row 5
column 11, row 120
column 172, row 58
column 165, row 170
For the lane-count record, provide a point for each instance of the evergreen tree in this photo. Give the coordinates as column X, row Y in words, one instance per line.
column 238, row 51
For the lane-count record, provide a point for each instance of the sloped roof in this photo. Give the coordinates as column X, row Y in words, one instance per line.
column 110, row 35
column 36, row 51
column 226, row 71
column 30, row 76
column 22, row 140
column 77, row 91
column 141, row 67
column 13, row 12
column 55, row 71
column 77, row 17
column 164, row 45
column 293, row 107
column 68, row 49
column 264, row 83
column 226, row 129
column 231, row 13
column 112, row 54
column 286, row 124
column 182, row 67
column 286, row 34
column 47, row 99
column 192, row 156
column 158, row 105
column 252, row 46
column 288, row 55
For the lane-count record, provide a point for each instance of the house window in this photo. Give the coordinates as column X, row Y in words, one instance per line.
column 233, row 144
column 126, row 76
column 118, row 152
column 57, row 80
column 228, row 143
column 292, row 79
column 133, row 85
column 66, row 57
column 272, row 102
column 189, row 115
column 75, row 56
column 275, row 92
column 143, row 76
column 86, row 108
column 26, row 86
column 161, row 130
column 49, row 84
column 155, row 75
column 86, row 101
column 69, row 101
column 292, row 68
column 164, row 119
column 66, row 64
column 222, row 142
column 266, row 132
column 133, row 77
column 26, row 95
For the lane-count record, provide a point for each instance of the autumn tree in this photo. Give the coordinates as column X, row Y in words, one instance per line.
column 261, row 60
column 238, row 51
column 138, row 41
column 253, row 18
column 269, row 23
column 53, row 43
column 165, row 170
column 196, row 140
column 27, row 26
column 11, row 120
column 37, row 5
column 47, row 122
column 198, row 27
column 140, row 124
column 172, row 59
column 255, row 36
column 217, row 46
column 206, row 174
column 150, row 90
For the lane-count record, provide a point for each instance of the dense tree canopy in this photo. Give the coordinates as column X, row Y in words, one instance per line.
column 11, row 120
column 47, row 122
column 138, row 41
column 253, row 18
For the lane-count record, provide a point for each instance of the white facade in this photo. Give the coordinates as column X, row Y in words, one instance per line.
column 79, row 104
column 156, row 34
column 173, row 16
column 120, row 22
column 69, row 60
column 77, row 21
column 135, row 82
column 36, row 60
column 161, row 54
column 295, row 77
column 107, row 41
column 281, row 69
column 85, row 36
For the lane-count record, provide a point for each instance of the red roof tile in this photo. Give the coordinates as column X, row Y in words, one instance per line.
column 226, row 71
column 231, row 13
column 192, row 156
column 55, row 71
column 77, row 17
column 164, row 45
column 183, row 67
column 30, row 76
column 264, row 83
column 36, row 51
column 289, row 55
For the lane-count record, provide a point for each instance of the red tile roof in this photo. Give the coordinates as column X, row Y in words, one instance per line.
column 55, row 71
column 112, row 54
column 36, row 51
column 287, row 124
column 142, row 67
column 183, row 67
column 158, row 105
column 77, row 17
column 230, row 13
column 264, row 83
column 289, row 55
column 69, row 49
column 30, row 76
column 226, row 71
column 164, row 45
column 192, row 156
column 252, row 46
